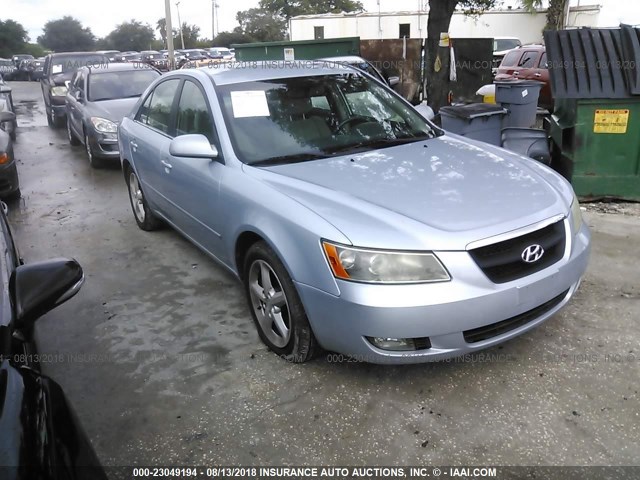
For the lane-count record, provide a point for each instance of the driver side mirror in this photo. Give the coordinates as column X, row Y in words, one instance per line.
column 39, row 287
column 393, row 81
column 193, row 146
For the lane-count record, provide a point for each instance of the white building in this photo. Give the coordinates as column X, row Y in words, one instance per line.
column 373, row 25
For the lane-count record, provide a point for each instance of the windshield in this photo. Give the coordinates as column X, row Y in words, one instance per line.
column 505, row 44
column 109, row 86
column 307, row 118
column 71, row 63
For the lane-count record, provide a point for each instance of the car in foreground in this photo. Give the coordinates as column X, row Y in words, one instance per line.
column 528, row 63
column 9, row 181
column 59, row 68
column 97, row 100
column 41, row 436
column 353, row 223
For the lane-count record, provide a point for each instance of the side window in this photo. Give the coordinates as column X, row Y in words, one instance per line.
column 528, row 60
column 511, row 58
column 158, row 111
column 543, row 61
column 143, row 114
column 193, row 114
column 79, row 85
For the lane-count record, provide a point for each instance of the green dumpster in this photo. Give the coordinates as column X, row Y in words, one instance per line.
column 297, row 50
column 595, row 128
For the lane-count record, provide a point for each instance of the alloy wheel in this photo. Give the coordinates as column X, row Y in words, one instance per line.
column 137, row 199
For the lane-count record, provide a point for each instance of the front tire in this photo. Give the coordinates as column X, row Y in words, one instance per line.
column 145, row 218
column 73, row 140
column 276, row 307
column 93, row 161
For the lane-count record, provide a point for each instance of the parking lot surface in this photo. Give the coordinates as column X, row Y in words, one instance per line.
column 160, row 358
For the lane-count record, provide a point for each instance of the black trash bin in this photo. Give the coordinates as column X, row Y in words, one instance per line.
column 479, row 121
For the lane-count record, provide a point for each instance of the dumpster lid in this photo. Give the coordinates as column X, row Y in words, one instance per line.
column 473, row 110
column 594, row 63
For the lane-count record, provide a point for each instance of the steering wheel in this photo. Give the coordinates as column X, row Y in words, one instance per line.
column 357, row 119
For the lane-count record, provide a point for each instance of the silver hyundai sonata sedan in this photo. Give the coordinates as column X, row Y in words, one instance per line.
column 354, row 224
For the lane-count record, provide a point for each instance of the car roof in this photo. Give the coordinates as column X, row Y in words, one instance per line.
column 76, row 54
column 238, row 72
column 344, row 58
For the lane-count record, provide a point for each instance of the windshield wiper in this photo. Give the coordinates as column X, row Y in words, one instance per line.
column 284, row 159
column 379, row 143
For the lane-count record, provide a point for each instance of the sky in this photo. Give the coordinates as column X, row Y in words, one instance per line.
column 102, row 17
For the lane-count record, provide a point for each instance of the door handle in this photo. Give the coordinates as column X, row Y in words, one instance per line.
column 134, row 146
column 538, row 75
column 167, row 165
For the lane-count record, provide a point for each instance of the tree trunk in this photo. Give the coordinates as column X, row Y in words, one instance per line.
column 440, row 12
column 555, row 14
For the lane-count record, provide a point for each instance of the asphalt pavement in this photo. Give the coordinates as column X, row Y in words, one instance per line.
column 160, row 358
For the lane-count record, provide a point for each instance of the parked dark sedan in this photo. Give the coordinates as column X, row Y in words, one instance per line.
column 35, row 69
column 8, row 69
column 9, row 183
column 155, row 59
column 6, row 105
column 58, row 70
column 40, row 436
column 97, row 101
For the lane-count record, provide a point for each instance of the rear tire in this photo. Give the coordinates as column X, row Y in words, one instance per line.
column 145, row 218
column 276, row 307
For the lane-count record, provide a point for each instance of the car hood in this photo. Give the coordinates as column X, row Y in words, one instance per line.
column 60, row 78
column 114, row 110
column 439, row 194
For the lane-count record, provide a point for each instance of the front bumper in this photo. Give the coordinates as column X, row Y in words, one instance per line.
column 58, row 110
column 443, row 312
column 104, row 146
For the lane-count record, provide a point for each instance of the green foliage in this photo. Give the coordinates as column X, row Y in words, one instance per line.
column 261, row 25
column 226, row 39
column 13, row 38
column 555, row 12
column 131, row 35
column 190, row 33
column 66, row 35
column 290, row 8
column 34, row 49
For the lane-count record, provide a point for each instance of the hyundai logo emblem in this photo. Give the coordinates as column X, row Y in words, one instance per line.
column 532, row 253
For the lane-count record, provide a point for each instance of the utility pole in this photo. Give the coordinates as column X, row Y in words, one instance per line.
column 213, row 19
column 180, row 23
column 169, row 33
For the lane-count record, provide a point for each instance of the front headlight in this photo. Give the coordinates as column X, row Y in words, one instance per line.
column 59, row 91
column 380, row 266
column 103, row 125
column 576, row 215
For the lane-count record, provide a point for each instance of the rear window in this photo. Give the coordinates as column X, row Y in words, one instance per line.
column 528, row 60
column 129, row 84
column 511, row 58
column 502, row 44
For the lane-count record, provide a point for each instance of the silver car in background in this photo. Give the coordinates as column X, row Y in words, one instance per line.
column 354, row 224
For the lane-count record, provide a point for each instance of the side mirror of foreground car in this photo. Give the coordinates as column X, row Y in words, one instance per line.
column 194, row 146
column 39, row 287
column 7, row 117
column 393, row 81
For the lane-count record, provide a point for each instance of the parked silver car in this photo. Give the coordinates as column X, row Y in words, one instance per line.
column 97, row 100
column 353, row 223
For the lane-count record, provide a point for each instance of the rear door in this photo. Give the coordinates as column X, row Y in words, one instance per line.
column 149, row 136
column 74, row 102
